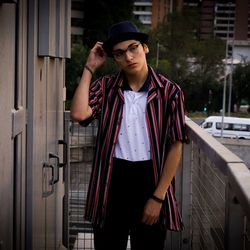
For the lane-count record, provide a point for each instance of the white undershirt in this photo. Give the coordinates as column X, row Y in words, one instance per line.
column 133, row 140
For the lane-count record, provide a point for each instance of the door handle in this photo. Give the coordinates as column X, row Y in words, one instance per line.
column 54, row 156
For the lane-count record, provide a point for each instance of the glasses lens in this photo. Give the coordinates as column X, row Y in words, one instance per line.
column 133, row 48
column 119, row 54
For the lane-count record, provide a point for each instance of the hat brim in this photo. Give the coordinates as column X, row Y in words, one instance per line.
column 112, row 41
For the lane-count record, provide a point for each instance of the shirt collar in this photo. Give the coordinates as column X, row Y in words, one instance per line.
column 153, row 81
column 144, row 87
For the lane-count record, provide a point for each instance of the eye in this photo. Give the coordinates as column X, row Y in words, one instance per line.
column 118, row 53
column 133, row 47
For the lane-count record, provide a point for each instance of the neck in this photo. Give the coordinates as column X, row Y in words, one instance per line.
column 137, row 80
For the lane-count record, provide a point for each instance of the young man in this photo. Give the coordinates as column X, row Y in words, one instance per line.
column 139, row 144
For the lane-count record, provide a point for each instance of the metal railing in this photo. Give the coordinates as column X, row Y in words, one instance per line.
column 212, row 189
column 219, row 194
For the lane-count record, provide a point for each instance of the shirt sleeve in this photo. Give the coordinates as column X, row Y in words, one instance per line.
column 178, row 126
column 95, row 101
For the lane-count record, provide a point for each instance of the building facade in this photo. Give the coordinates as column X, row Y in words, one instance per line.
column 34, row 44
column 230, row 21
column 143, row 11
column 77, row 15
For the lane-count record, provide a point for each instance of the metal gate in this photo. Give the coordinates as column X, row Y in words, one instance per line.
column 81, row 152
column 81, row 149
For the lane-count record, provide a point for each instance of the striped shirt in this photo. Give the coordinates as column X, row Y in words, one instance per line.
column 166, row 123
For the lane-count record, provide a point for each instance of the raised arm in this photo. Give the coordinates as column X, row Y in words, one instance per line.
column 80, row 109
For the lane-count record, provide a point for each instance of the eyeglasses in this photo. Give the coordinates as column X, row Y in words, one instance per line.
column 120, row 53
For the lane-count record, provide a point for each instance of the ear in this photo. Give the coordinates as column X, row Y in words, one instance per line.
column 146, row 49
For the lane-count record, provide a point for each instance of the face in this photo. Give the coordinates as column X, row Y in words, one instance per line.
column 130, row 56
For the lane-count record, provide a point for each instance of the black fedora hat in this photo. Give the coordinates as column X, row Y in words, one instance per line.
column 120, row 32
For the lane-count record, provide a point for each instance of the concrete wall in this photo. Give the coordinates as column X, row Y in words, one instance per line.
column 240, row 147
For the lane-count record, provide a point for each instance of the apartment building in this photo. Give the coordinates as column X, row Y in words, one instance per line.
column 143, row 11
column 160, row 8
column 77, row 15
column 153, row 12
column 228, row 20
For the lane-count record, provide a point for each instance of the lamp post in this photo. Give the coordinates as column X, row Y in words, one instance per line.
column 230, row 82
column 225, row 77
column 224, row 90
column 157, row 54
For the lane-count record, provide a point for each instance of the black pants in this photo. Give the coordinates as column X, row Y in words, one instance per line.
column 132, row 184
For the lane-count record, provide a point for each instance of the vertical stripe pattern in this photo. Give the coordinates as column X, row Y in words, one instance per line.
column 166, row 124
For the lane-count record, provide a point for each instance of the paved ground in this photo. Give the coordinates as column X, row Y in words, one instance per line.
column 84, row 241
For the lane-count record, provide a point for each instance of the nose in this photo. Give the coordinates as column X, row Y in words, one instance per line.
column 128, row 55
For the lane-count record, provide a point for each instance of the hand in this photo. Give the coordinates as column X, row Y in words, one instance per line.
column 151, row 212
column 97, row 57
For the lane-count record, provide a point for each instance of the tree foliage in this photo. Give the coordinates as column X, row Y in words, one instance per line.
column 241, row 84
column 74, row 67
column 195, row 64
column 99, row 15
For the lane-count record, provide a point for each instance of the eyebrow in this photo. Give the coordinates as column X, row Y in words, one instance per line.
column 126, row 48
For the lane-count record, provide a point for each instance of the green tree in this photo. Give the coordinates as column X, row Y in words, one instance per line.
column 99, row 15
column 241, row 84
column 176, row 37
column 205, row 74
column 195, row 64
column 74, row 67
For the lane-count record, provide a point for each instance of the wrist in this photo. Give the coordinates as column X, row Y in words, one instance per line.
column 157, row 199
column 91, row 71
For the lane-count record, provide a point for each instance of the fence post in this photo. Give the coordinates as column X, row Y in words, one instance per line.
column 234, row 221
column 66, row 176
column 182, row 240
column 186, row 195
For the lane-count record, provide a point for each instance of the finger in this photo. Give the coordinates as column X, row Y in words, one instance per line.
column 99, row 44
column 148, row 220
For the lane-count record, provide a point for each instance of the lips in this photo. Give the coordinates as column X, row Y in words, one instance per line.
column 132, row 65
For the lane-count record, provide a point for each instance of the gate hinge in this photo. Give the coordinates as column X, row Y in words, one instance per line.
column 18, row 121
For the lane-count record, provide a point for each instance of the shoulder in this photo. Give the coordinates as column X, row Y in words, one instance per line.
column 167, row 82
column 171, row 90
column 164, row 81
column 106, row 81
column 105, row 78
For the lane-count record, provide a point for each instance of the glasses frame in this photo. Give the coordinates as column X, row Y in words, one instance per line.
column 120, row 53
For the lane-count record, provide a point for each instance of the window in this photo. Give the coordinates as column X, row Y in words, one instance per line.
column 227, row 126
column 241, row 127
column 234, row 127
column 208, row 125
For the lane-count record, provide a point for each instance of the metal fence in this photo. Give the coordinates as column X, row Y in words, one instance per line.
column 219, row 194
column 82, row 143
column 81, row 147
column 213, row 193
column 208, row 203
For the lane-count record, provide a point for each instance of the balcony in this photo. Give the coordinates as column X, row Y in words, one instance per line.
column 212, row 189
